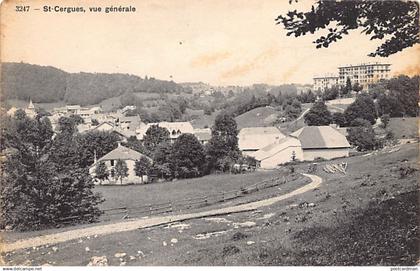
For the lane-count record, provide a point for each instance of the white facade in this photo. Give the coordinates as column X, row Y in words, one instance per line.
column 364, row 74
column 130, row 179
column 322, row 83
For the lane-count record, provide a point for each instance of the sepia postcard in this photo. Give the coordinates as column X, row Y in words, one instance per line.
column 207, row 133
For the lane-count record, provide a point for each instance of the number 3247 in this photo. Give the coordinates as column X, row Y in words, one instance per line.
column 22, row 8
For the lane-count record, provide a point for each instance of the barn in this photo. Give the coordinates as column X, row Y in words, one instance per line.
column 252, row 139
column 306, row 144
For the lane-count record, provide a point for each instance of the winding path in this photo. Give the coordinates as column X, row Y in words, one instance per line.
column 152, row 221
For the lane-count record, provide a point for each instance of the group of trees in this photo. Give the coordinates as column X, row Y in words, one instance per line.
column 41, row 183
column 396, row 97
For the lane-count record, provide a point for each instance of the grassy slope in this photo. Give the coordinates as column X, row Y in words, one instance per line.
column 404, row 127
column 365, row 217
column 134, row 195
column 261, row 116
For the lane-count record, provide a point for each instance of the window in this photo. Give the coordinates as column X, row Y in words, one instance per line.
column 112, row 163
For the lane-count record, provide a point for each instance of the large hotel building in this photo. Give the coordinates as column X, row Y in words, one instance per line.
column 363, row 74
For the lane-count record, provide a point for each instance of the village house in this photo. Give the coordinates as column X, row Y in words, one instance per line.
column 110, row 159
column 175, row 129
column 306, row 144
column 130, row 123
column 252, row 139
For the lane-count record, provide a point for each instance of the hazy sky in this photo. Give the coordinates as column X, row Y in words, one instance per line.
column 214, row 41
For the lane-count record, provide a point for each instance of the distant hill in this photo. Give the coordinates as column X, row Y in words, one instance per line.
column 48, row 84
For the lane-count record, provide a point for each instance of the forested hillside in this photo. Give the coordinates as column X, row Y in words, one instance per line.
column 48, row 84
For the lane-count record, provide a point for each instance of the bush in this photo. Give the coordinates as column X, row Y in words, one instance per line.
column 363, row 138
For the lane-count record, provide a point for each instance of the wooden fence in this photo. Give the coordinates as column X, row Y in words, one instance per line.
column 188, row 203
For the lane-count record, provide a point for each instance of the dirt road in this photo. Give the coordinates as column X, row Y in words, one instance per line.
column 153, row 221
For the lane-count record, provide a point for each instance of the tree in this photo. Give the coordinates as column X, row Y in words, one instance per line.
column 357, row 88
column 330, row 93
column 153, row 137
column 91, row 142
column 134, row 144
column 101, row 171
column 318, row 115
column 162, row 164
column 362, row 137
column 224, row 140
column 142, row 167
column 76, row 119
column 363, row 107
column 36, row 192
column 348, row 88
column 188, row 157
column 406, row 92
column 395, row 21
column 121, row 170
column 339, row 119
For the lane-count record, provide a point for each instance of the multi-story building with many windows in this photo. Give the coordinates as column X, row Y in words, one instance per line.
column 363, row 74
column 322, row 83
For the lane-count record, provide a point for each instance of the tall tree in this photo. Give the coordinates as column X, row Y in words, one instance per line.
column 363, row 107
column 224, row 140
column 395, row 21
column 153, row 137
column 35, row 191
column 188, row 157
column 162, row 163
column 406, row 92
column 101, row 171
column 318, row 115
column 142, row 167
column 121, row 170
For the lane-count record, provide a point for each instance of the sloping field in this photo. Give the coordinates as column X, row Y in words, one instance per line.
column 404, row 127
column 257, row 117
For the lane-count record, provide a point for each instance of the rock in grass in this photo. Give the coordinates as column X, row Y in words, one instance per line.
column 120, row 254
column 250, row 243
column 174, row 240
column 98, row 261
column 87, row 249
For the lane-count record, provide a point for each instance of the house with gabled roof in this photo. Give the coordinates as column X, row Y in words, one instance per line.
column 252, row 139
column 175, row 129
column 306, row 144
column 110, row 159
column 322, row 142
